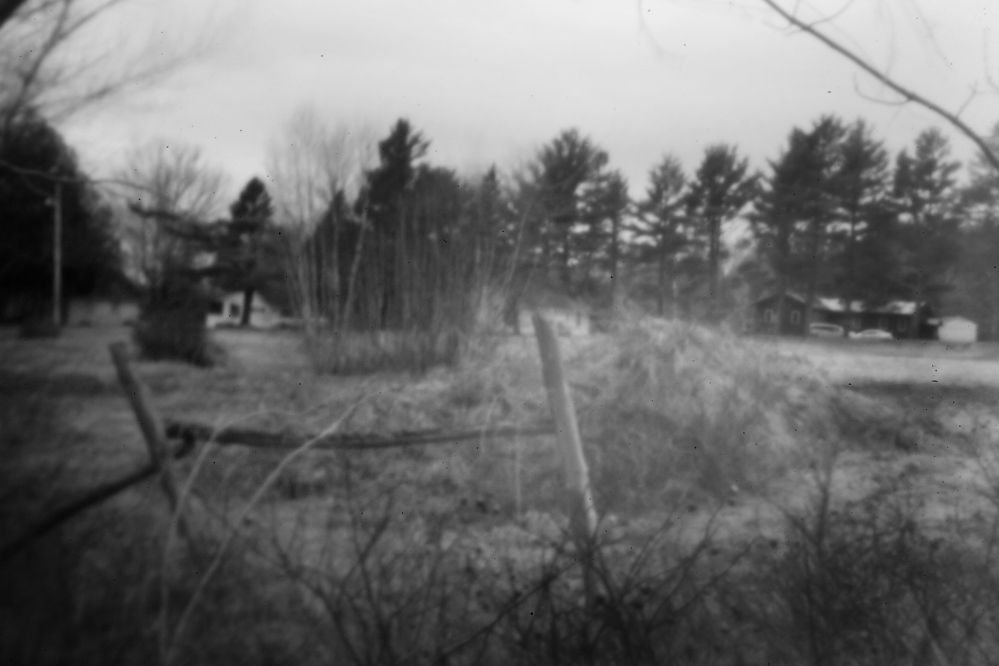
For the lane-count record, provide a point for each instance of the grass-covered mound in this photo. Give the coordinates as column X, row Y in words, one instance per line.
column 675, row 408
column 669, row 411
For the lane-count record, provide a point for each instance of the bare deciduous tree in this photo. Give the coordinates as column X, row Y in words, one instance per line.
column 310, row 165
column 55, row 61
column 170, row 183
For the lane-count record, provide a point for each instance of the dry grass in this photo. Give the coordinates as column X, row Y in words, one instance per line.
column 457, row 554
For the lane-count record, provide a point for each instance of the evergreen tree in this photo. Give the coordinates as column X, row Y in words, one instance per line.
column 977, row 289
column 862, row 231
column 387, row 196
column 489, row 223
column 562, row 173
column 663, row 222
column 605, row 205
column 392, row 179
column 821, row 188
column 926, row 198
column 244, row 256
column 780, row 208
column 35, row 165
column 795, row 210
column 718, row 194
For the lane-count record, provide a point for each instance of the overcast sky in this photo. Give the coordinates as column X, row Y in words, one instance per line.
column 488, row 81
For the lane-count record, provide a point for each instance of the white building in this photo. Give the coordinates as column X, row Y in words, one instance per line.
column 957, row 330
column 228, row 311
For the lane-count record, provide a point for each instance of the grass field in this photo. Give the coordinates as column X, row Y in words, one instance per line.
column 762, row 500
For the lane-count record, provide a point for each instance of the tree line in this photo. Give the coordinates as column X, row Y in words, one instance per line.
column 354, row 234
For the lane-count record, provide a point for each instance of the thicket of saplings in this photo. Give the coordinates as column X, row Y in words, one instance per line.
column 414, row 556
column 401, row 299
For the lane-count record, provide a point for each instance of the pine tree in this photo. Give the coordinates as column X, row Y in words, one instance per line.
column 242, row 255
column 822, row 169
column 387, row 199
column 662, row 221
column 91, row 256
column 780, row 208
column 863, row 225
column 977, row 292
column 718, row 194
column 795, row 210
column 604, row 206
column 926, row 198
column 559, row 178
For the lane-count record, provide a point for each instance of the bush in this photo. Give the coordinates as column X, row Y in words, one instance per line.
column 39, row 328
column 869, row 583
column 172, row 325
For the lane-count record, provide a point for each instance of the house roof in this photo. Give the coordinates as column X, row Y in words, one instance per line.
column 830, row 304
column 793, row 295
column 957, row 320
column 891, row 307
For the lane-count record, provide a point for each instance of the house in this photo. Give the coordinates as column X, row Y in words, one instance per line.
column 896, row 317
column 766, row 310
column 227, row 310
column 957, row 330
column 101, row 312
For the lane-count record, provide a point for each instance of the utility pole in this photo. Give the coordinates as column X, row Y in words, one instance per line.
column 57, row 257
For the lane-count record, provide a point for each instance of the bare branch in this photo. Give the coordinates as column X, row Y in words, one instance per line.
column 971, row 97
column 7, row 9
column 50, row 63
column 907, row 94
column 877, row 100
column 985, row 58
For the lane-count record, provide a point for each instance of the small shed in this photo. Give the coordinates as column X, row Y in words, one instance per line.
column 957, row 330
column 228, row 311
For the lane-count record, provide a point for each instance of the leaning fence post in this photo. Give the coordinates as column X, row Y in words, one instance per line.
column 149, row 423
column 584, row 512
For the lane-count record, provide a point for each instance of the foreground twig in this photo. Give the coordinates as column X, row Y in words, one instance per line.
column 149, row 421
column 169, row 645
column 349, row 441
column 79, row 505
column 75, row 507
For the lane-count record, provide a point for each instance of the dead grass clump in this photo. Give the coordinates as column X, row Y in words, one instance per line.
column 867, row 583
column 80, row 595
column 671, row 409
column 346, row 353
column 669, row 412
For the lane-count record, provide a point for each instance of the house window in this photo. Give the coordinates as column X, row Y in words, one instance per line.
column 902, row 325
column 215, row 308
column 233, row 309
column 768, row 316
column 795, row 317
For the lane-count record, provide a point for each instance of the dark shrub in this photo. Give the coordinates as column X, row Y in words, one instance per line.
column 39, row 328
column 172, row 324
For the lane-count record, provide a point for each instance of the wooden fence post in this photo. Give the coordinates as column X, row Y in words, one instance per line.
column 584, row 512
column 150, row 424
